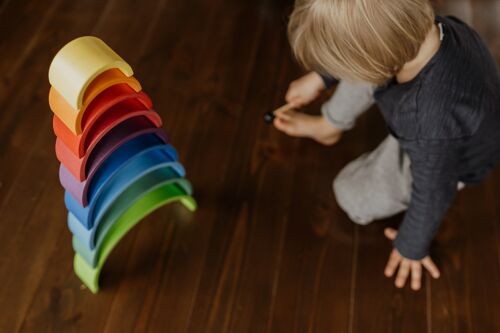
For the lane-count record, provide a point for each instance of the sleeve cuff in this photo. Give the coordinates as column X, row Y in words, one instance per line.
column 328, row 80
column 342, row 125
column 409, row 250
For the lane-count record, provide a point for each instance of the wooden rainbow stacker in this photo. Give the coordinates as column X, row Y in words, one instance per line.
column 117, row 165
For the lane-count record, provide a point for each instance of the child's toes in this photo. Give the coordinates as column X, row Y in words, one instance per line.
column 292, row 114
column 284, row 114
column 288, row 127
column 282, row 125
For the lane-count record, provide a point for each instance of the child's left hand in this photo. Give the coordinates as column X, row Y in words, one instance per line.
column 407, row 267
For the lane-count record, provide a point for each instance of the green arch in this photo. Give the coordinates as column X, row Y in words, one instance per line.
column 153, row 200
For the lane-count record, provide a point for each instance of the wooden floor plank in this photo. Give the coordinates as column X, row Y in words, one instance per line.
column 3, row 6
column 31, row 171
column 378, row 305
column 269, row 250
column 317, row 255
column 482, row 271
column 18, row 43
column 215, row 103
column 459, row 8
column 469, row 261
column 96, row 312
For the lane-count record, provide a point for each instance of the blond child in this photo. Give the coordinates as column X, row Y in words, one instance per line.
column 437, row 87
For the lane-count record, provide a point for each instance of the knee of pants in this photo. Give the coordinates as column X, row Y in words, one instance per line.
column 350, row 199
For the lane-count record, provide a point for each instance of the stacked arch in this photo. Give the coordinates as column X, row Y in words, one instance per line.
column 117, row 164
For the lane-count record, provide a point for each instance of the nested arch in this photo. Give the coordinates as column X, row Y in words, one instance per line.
column 156, row 198
column 78, row 63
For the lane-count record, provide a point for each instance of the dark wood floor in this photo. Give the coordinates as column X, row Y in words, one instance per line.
column 269, row 250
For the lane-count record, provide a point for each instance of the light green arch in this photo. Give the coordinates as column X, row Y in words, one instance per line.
column 153, row 200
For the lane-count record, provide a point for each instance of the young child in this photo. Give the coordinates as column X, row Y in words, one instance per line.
column 438, row 88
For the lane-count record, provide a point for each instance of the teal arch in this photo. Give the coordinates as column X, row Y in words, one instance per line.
column 125, row 197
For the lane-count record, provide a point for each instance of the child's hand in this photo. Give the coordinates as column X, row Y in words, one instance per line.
column 298, row 124
column 304, row 90
column 407, row 267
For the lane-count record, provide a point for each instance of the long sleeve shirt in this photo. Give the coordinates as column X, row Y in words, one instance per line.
column 447, row 119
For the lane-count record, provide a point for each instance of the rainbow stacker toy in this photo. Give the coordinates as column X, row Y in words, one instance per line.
column 116, row 163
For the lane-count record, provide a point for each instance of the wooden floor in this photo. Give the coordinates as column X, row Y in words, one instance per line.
column 269, row 249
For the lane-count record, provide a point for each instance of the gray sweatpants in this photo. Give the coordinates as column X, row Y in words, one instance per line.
column 377, row 184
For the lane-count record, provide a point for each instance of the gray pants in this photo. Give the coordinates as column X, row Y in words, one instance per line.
column 377, row 184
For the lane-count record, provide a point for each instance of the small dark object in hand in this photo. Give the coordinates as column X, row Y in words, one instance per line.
column 269, row 117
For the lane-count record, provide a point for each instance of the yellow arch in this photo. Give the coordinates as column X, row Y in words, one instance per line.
column 78, row 63
column 71, row 117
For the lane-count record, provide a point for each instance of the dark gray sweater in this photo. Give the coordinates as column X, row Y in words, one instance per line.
column 447, row 119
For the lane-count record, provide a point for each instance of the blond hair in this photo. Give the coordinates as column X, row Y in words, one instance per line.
column 368, row 40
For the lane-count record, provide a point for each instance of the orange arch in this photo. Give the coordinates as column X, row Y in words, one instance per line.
column 116, row 99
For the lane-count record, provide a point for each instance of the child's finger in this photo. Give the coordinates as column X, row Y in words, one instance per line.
column 416, row 275
column 287, row 115
column 403, row 272
column 390, row 233
column 282, row 125
column 295, row 102
column 279, row 123
column 283, row 115
column 392, row 264
column 291, row 95
column 431, row 267
column 283, row 108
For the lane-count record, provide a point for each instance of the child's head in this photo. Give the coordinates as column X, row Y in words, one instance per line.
column 367, row 40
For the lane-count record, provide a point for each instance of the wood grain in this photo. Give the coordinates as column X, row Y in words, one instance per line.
column 269, row 249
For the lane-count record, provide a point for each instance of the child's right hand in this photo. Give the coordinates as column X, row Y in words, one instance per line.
column 304, row 90
column 300, row 124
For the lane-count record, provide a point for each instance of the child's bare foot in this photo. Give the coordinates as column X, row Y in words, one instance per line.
column 299, row 124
